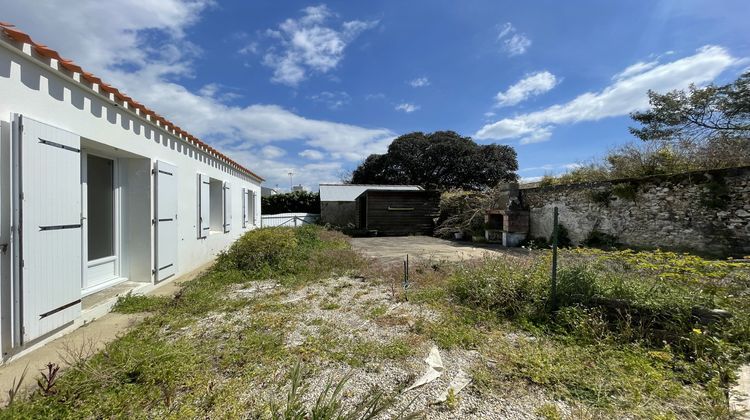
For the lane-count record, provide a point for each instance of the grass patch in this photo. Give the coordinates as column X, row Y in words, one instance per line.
column 131, row 304
column 628, row 337
column 200, row 352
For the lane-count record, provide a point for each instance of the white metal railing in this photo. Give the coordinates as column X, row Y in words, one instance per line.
column 288, row 219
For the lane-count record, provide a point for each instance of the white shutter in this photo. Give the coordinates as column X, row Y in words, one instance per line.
column 227, row 207
column 47, row 248
column 166, row 220
column 252, row 208
column 204, row 205
column 244, row 208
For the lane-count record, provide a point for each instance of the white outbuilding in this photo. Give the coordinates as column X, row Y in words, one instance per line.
column 97, row 191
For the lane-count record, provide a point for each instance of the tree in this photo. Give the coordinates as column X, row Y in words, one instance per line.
column 700, row 114
column 439, row 160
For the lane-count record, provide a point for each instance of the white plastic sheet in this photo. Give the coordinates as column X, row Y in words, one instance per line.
column 434, row 369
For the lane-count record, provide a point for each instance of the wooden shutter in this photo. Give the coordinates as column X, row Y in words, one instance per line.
column 166, row 220
column 48, row 248
column 227, row 207
column 204, row 205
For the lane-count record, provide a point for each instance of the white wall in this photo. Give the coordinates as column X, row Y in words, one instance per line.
column 45, row 94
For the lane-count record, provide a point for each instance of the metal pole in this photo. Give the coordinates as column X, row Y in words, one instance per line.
column 406, row 277
column 554, row 261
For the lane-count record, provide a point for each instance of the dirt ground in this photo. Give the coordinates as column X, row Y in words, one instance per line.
column 389, row 249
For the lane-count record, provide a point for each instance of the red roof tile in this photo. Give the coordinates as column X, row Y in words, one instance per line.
column 69, row 65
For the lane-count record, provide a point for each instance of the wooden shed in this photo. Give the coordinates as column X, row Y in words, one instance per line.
column 398, row 212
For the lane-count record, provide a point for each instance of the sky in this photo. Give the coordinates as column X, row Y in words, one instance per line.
column 313, row 88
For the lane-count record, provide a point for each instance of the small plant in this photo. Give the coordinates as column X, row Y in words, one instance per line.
column 15, row 387
column 625, row 190
column 48, row 380
column 601, row 197
column 452, row 400
column 329, row 403
column 549, row 411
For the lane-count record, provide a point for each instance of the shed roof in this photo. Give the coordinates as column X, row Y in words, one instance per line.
column 21, row 37
column 350, row 192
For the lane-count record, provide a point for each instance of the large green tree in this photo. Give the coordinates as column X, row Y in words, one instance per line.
column 699, row 114
column 440, row 160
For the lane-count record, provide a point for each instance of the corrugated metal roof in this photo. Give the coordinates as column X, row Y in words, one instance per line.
column 11, row 32
column 349, row 192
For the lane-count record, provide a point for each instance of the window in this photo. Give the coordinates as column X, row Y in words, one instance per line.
column 216, row 204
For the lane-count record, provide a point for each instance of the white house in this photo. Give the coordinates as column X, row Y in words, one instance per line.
column 95, row 190
column 338, row 205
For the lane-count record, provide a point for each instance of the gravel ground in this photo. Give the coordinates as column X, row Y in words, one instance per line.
column 357, row 309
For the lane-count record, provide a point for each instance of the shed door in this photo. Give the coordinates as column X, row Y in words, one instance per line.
column 227, row 207
column 166, row 220
column 204, row 205
column 47, row 218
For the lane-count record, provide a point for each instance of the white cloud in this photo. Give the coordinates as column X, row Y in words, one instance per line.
column 308, row 44
column 272, row 152
column 312, row 154
column 514, row 43
column 114, row 47
column 374, row 96
column 531, row 85
column 420, row 82
column 634, row 69
column 333, row 100
column 623, row 96
column 407, row 107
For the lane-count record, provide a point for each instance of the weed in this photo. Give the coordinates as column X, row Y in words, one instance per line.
column 15, row 387
column 329, row 402
column 549, row 411
column 48, row 380
column 452, row 400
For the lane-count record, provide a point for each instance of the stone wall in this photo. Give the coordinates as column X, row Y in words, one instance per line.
column 706, row 212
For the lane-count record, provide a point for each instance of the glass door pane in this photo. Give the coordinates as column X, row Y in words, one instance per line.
column 101, row 215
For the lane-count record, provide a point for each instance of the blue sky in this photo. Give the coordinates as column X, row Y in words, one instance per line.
column 315, row 87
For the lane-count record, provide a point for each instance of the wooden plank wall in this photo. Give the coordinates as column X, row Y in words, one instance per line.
column 397, row 213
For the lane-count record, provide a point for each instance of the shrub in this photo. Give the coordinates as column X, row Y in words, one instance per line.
column 576, row 284
column 503, row 288
column 601, row 197
column 293, row 202
column 259, row 249
column 563, row 238
column 598, row 239
column 625, row 190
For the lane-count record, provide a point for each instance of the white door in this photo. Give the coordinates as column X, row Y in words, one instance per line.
column 166, row 220
column 100, row 222
column 48, row 247
column 227, row 207
column 204, row 205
